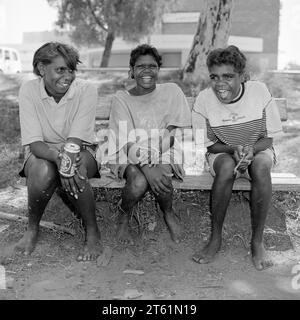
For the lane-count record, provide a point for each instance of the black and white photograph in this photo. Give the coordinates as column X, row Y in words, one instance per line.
column 149, row 153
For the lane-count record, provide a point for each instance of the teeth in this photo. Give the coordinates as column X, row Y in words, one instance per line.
column 223, row 93
column 64, row 84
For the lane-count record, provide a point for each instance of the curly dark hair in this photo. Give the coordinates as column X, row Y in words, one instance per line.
column 50, row 50
column 230, row 56
column 142, row 50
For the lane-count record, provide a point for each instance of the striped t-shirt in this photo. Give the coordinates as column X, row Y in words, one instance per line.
column 251, row 117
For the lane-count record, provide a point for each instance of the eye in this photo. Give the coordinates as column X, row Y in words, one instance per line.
column 60, row 70
column 141, row 67
column 213, row 77
column 228, row 76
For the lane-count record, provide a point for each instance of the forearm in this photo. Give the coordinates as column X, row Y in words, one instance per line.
column 168, row 139
column 219, row 147
column 41, row 150
column 262, row 144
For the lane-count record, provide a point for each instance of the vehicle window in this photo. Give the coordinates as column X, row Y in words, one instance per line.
column 14, row 56
column 6, row 54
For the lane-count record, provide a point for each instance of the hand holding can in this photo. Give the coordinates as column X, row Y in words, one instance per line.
column 69, row 155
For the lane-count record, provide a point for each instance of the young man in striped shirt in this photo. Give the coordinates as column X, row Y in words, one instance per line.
column 240, row 120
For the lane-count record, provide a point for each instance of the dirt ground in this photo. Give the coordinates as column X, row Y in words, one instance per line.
column 168, row 272
column 158, row 268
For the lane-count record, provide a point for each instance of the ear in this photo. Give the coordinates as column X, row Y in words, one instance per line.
column 41, row 68
column 245, row 76
column 130, row 73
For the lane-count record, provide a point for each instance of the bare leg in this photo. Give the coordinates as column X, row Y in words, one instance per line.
column 42, row 179
column 134, row 190
column 85, row 206
column 220, row 197
column 261, row 195
column 165, row 201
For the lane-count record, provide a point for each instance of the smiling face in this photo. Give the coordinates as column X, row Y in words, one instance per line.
column 145, row 72
column 225, row 82
column 57, row 77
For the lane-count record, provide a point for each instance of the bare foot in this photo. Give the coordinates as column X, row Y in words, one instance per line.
column 174, row 227
column 123, row 234
column 208, row 253
column 259, row 258
column 92, row 248
column 28, row 242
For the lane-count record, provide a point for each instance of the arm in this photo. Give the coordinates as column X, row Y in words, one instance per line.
column 262, row 144
column 219, row 147
column 235, row 151
column 41, row 150
column 151, row 155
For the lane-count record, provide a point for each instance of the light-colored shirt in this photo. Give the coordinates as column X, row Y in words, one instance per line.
column 253, row 116
column 149, row 114
column 43, row 119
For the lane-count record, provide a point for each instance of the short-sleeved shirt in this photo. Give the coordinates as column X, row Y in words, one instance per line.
column 163, row 107
column 43, row 119
column 253, row 116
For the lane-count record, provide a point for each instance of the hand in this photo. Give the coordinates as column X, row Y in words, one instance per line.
column 149, row 156
column 69, row 185
column 238, row 153
column 58, row 159
column 248, row 157
column 134, row 153
column 81, row 178
column 78, row 161
column 158, row 179
column 142, row 155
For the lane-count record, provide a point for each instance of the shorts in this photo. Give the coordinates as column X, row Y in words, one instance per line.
column 118, row 171
column 211, row 157
column 27, row 154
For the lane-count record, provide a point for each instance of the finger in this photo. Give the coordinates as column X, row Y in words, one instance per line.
column 80, row 183
column 73, row 188
column 64, row 184
column 143, row 157
column 80, row 176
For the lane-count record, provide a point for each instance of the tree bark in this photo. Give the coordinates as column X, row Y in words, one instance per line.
column 107, row 49
column 212, row 32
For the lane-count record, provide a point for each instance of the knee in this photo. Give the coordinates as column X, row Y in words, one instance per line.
column 42, row 174
column 224, row 169
column 136, row 184
column 260, row 171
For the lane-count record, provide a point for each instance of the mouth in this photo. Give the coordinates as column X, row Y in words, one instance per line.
column 146, row 78
column 223, row 94
column 63, row 85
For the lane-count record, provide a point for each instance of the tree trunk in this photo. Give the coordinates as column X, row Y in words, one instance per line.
column 212, row 32
column 107, row 49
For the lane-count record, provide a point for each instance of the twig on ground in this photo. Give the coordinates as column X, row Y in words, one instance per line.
column 295, row 234
column 45, row 224
column 243, row 240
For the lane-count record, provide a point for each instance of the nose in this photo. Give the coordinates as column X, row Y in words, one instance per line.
column 69, row 74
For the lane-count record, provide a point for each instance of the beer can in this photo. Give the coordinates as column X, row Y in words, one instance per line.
column 67, row 167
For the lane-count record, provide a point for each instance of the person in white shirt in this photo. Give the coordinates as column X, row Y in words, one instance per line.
column 240, row 120
column 56, row 108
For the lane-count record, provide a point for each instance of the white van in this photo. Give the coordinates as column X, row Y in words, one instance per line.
column 9, row 60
